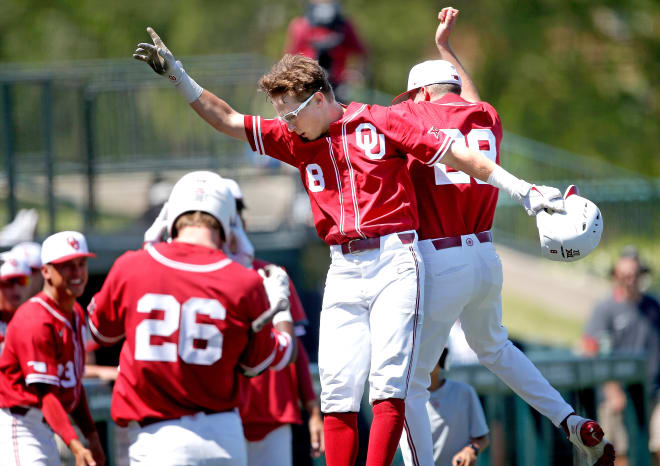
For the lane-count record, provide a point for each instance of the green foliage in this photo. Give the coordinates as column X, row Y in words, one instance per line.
column 579, row 75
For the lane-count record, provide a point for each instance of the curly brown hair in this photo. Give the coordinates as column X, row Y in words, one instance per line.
column 295, row 75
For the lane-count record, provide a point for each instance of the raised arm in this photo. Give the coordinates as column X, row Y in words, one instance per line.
column 447, row 17
column 211, row 108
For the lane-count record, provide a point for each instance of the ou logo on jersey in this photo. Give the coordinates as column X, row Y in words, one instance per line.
column 367, row 139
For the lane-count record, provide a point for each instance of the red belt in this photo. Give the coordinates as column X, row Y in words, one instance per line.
column 454, row 241
column 367, row 244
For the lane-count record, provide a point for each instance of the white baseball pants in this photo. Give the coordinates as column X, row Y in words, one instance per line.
column 198, row 439
column 273, row 450
column 26, row 440
column 370, row 323
column 466, row 282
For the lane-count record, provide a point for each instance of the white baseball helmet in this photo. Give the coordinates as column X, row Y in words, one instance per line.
column 571, row 235
column 204, row 191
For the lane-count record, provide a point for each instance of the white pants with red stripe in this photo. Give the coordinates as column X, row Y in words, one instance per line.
column 466, row 281
column 199, row 439
column 370, row 323
column 273, row 450
column 26, row 440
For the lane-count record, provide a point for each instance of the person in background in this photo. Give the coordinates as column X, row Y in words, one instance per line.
column 270, row 402
column 14, row 281
column 41, row 366
column 31, row 254
column 458, row 423
column 627, row 321
column 326, row 35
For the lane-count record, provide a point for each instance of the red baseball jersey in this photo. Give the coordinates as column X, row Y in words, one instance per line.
column 185, row 311
column 43, row 345
column 356, row 175
column 450, row 202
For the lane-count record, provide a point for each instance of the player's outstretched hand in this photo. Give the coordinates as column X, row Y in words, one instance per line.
column 543, row 197
column 447, row 17
column 465, row 457
column 156, row 231
column 83, row 456
column 159, row 58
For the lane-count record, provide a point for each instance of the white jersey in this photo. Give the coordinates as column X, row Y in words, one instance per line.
column 456, row 416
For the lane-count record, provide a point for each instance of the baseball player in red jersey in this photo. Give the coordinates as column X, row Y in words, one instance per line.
column 31, row 254
column 464, row 273
column 185, row 311
column 14, row 282
column 352, row 162
column 42, row 364
column 270, row 402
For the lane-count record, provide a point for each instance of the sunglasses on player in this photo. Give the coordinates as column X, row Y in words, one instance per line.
column 290, row 117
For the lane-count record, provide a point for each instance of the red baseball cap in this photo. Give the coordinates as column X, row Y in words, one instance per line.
column 64, row 246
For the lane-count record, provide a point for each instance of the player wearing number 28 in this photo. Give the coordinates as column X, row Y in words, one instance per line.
column 464, row 272
column 41, row 366
column 185, row 311
column 352, row 162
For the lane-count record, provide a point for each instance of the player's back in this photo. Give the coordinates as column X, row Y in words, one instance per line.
column 186, row 312
column 450, row 202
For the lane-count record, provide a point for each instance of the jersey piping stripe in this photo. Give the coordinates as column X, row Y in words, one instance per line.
column 167, row 262
column 56, row 314
column 286, row 359
column 411, row 443
column 341, row 198
column 350, row 170
column 443, row 148
column 256, row 135
column 103, row 338
column 42, row 378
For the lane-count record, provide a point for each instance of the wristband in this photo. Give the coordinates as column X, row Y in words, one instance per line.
column 282, row 316
column 188, row 88
column 515, row 187
column 475, row 448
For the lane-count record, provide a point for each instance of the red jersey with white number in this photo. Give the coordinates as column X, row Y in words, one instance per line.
column 273, row 399
column 43, row 344
column 356, row 175
column 186, row 312
column 450, row 202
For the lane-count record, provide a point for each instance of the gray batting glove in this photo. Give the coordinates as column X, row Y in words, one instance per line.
column 543, row 197
column 162, row 61
column 156, row 232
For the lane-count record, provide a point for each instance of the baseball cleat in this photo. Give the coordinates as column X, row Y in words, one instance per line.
column 588, row 437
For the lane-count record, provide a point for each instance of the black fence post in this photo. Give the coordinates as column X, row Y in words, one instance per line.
column 10, row 162
column 88, row 115
column 47, row 135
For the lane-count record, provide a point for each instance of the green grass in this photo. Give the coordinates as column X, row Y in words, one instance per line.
column 526, row 320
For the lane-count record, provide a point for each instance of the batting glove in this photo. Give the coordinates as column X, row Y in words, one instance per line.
column 162, row 61
column 543, row 197
column 276, row 283
column 156, row 232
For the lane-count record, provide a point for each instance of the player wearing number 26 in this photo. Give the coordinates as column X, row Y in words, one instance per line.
column 185, row 311
column 41, row 366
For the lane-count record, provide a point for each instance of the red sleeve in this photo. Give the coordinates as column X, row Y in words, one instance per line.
column 83, row 416
column 269, row 137
column 57, row 418
column 36, row 347
column 412, row 135
column 307, row 392
column 266, row 349
column 105, row 318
